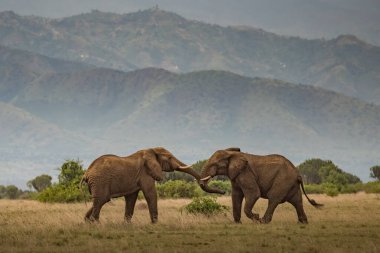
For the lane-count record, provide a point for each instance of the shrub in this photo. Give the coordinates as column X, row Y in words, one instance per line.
column 330, row 189
column 178, row 189
column 372, row 187
column 314, row 189
column 351, row 188
column 223, row 185
column 61, row 193
column 205, row 205
column 67, row 189
column 71, row 172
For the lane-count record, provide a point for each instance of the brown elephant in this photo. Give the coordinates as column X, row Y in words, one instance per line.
column 111, row 176
column 272, row 177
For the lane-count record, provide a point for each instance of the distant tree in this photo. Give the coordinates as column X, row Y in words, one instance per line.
column 40, row 183
column 309, row 170
column 352, row 179
column 198, row 166
column 67, row 188
column 176, row 175
column 71, row 172
column 317, row 171
column 375, row 172
column 3, row 191
column 12, row 192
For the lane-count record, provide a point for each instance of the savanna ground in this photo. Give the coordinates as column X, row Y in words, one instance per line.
column 347, row 223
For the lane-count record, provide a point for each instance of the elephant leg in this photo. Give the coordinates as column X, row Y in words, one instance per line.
column 237, row 199
column 130, row 201
column 278, row 194
column 98, row 203
column 88, row 214
column 150, row 195
column 272, row 204
column 296, row 201
column 251, row 196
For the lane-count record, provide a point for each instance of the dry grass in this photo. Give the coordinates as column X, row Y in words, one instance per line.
column 347, row 223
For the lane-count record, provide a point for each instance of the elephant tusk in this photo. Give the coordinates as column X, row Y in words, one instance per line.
column 184, row 167
column 205, row 178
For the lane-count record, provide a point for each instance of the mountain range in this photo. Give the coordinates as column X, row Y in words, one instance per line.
column 156, row 38
column 74, row 105
column 83, row 111
column 306, row 19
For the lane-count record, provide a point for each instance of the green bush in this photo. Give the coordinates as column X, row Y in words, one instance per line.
column 330, row 189
column 351, row 188
column 67, row 189
column 205, row 205
column 178, row 189
column 183, row 189
column 314, row 189
column 372, row 187
column 223, row 185
column 333, row 189
column 62, row 193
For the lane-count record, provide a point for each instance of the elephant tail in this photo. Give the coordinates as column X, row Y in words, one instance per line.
column 311, row 201
column 83, row 180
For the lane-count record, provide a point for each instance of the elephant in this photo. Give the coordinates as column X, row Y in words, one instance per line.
column 111, row 176
column 272, row 177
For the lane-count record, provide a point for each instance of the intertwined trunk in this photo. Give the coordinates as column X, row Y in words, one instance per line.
column 197, row 176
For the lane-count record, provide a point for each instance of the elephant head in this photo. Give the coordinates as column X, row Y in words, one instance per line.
column 228, row 162
column 159, row 159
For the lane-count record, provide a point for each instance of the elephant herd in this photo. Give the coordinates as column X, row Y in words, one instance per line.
column 272, row 177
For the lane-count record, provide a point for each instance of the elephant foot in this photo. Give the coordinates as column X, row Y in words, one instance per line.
column 237, row 221
column 90, row 219
column 265, row 220
column 303, row 221
column 154, row 220
column 253, row 216
column 128, row 219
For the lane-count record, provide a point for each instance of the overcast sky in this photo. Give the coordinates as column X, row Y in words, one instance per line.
column 304, row 18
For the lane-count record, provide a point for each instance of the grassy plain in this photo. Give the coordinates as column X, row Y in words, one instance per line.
column 347, row 223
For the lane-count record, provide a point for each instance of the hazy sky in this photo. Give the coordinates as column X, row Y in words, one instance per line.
column 304, row 18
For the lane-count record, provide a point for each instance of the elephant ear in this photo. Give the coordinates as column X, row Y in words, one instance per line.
column 153, row 167
column 236, row 165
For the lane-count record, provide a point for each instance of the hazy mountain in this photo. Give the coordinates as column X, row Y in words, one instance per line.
column 89, row 112
column 19, row 68
column 307, row 19
column 22, row 130
column 31, row 146
column 162, row 39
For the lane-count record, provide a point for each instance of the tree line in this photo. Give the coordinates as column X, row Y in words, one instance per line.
column 320, row 176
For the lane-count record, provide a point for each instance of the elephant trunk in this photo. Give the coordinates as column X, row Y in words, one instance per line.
column 197, row 176
column 203, row 185
column 208, row 189
column 203, row 182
